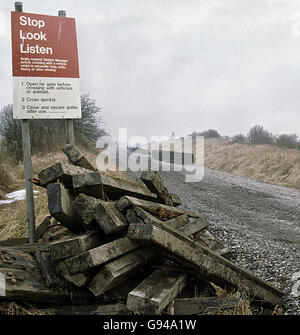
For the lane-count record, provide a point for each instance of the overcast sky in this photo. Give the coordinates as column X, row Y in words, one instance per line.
column 158, row 66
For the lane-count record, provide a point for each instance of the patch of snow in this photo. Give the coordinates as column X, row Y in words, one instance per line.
column 16, row 196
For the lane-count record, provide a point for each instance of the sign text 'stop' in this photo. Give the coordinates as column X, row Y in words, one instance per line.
column 48, row 42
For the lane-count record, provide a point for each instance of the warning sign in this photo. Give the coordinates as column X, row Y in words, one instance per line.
column 45, row 67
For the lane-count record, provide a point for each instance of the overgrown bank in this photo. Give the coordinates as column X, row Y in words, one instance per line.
column 266, row 163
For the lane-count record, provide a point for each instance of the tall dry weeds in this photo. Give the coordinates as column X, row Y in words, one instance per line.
column 262, row 162
column 266, row 163
column 243, row 306
column 6, row 178
column 13, row 217
column 12, row 308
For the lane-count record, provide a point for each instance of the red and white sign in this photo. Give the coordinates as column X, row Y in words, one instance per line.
column 45, row 67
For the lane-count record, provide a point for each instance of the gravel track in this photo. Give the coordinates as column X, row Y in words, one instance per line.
column 259, row 222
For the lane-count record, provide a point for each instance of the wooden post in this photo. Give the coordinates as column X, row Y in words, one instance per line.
column 27, row 166
column 69, row 122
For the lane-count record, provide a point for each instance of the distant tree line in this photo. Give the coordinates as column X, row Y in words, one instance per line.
column 210, row 133
column 256, row 135
column 48, row 135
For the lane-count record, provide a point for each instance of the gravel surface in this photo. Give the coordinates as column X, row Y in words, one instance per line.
column 259, row 222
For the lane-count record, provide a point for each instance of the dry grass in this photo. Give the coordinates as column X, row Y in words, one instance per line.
column 13, row 217
column 12, row 308
column 262, row 162
column 6, row 179
column 2, row 195
column 242, row 307
column 266, row 163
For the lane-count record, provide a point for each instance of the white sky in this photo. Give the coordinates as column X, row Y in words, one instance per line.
column 158, row 66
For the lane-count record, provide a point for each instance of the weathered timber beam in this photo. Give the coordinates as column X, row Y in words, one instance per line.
column 60, row 207
column 28, row 248
column 100, row 255
column 48, row 271
column 26, row 285
column 61, row 172
column 175, row 199
column 76, row 157
column 178, row 221
column 155, row 184
column 201, row 305
column 156, row 292
column 13, row 242
column 206, row 239
column 109, row 218
column 78, row 279
column 118, row 270
column 131, row 216
column 84, row 207
column 224, row 252
column 193, row 227
column 218, row 269
column 42, row 228
column 56, row 232
column 73, row 246
column 56, row 275
column 16, row 259
column 89, row 184
column 161, row 211
column 115, row 188
column 111, row 309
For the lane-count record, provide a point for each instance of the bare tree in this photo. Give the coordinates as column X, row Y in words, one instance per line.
column 258, row 135
column 48, row 135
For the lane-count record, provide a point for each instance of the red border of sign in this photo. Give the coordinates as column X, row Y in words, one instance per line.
column 60, row 35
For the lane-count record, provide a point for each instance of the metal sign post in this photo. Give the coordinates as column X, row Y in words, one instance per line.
column 27, row 166
column 70, row 124
column 45, row 80
column 70, row 132
column 28, row 176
